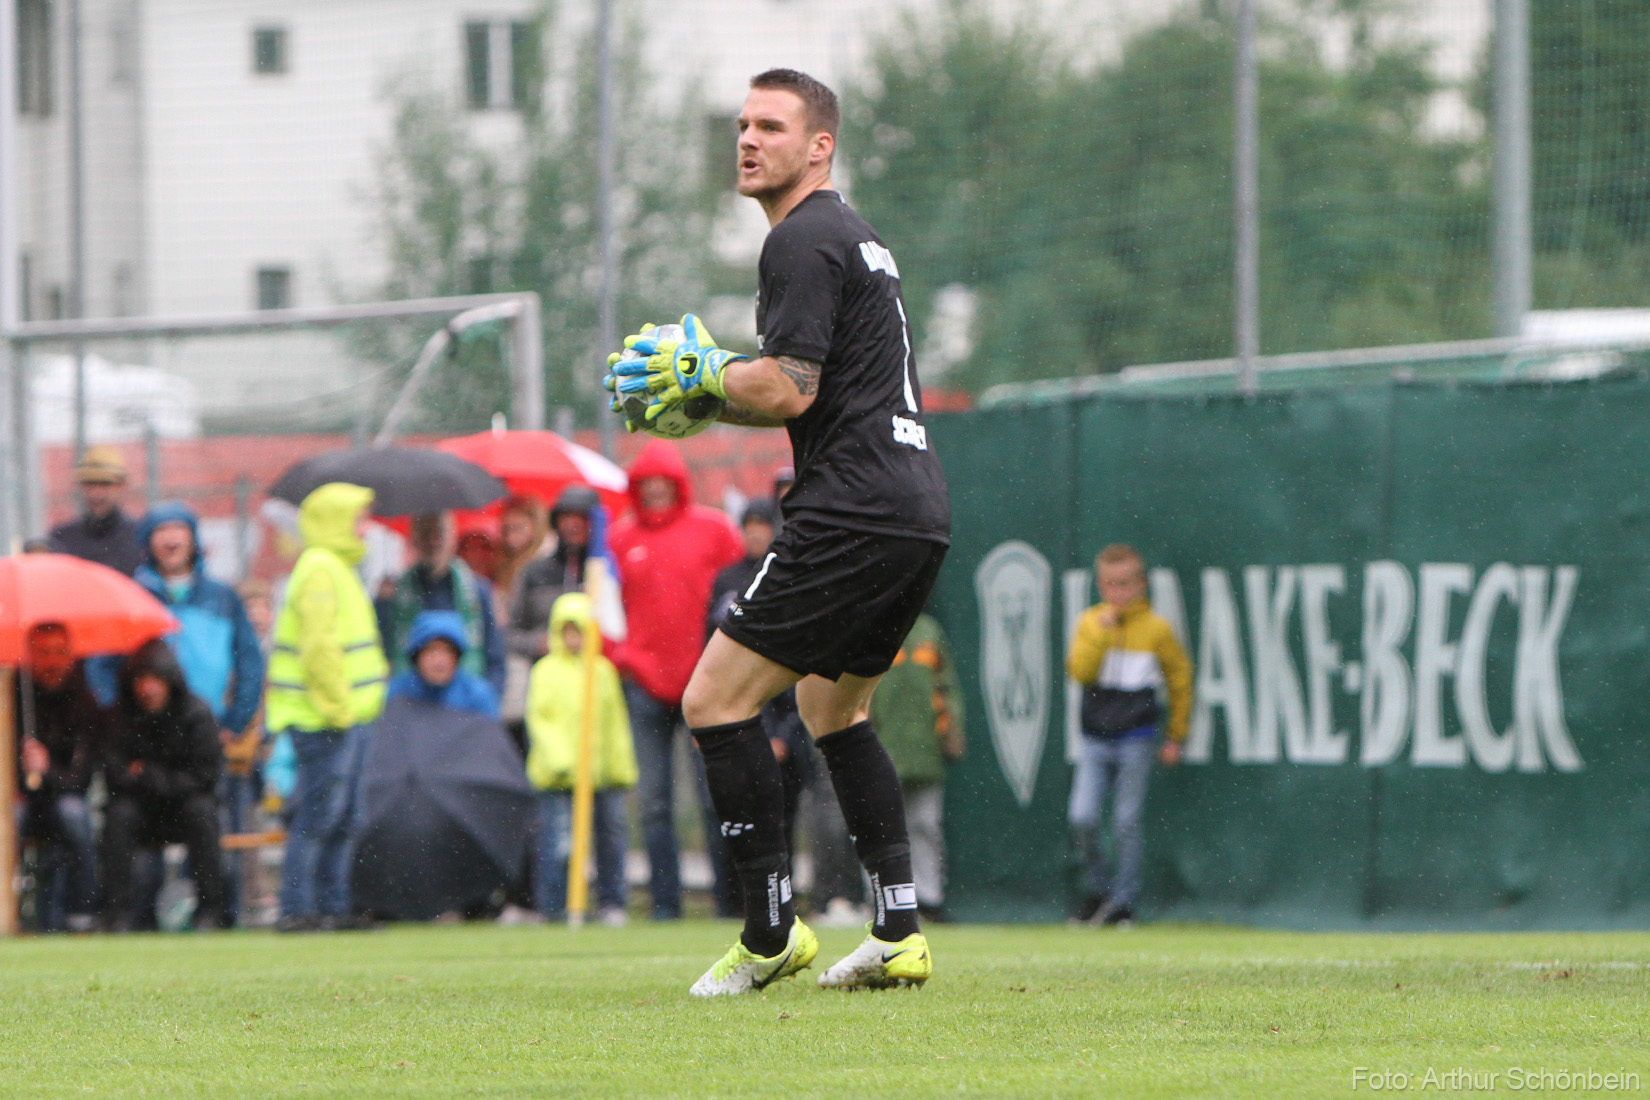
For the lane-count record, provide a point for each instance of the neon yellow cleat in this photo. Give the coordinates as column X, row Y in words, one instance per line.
column 878, row 964
column 741, row 971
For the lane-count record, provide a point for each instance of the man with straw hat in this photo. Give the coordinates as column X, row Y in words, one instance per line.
column 102, row 532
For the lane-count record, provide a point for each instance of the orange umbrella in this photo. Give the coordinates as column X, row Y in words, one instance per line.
column 104, row 610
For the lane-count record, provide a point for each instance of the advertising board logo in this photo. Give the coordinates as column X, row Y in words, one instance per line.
column 1435, row 666
column 1421, row 667
column 1014, row 588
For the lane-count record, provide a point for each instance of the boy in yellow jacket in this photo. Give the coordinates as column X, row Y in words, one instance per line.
column 1122, row 654
column 556, row 702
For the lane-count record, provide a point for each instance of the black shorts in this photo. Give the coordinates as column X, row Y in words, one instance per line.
column 828, row 600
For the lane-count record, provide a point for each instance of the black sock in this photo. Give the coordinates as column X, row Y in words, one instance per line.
column 874, row 808
column 749, row 795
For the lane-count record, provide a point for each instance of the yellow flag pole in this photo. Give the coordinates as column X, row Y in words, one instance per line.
column 584, row 795
column 8, row 819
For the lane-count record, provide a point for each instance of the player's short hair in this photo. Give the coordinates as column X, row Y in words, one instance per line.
column 1119, row 553
column 818, row 101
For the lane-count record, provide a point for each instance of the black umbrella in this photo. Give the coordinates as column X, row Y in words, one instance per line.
column 405, row 481
column 446, row 812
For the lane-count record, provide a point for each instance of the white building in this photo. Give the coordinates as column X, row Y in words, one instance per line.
column 229, row 145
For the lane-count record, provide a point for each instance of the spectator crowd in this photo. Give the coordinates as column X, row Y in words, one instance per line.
column 413, row 751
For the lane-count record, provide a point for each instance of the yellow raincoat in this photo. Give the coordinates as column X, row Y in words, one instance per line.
column 555, row 710
column 327, row 670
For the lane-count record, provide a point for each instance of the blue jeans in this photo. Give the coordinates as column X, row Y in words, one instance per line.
column 237, row 813
column 1121, row 768
column 326, row 807
column 653, row 725
column 68, row 858
column 610, row 834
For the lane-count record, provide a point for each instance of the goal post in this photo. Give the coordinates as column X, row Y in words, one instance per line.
column 266, row 355
column 228, row 399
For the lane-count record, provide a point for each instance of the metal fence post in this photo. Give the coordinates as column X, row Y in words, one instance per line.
column 1245, row 202
column 12, row 527
column 1512, row 166
column 607, row 153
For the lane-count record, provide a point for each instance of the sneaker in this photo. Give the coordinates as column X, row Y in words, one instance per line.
column 303, row 923
column 349, row 922
column 1117, row 916
column 842, row 913
column 514, row 915
column 1090, row 908
column 742, row 971
column 260, row 916
column 878, row 964
column 612, row 916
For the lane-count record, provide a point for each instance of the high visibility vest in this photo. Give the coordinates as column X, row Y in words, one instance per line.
column 287, row 701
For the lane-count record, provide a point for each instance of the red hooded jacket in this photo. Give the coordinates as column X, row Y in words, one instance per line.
column 667, row 562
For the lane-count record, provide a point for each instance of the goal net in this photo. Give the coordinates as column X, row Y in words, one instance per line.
column 212, row 410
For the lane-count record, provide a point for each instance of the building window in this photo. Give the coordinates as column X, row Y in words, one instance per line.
column 25, row 285
column 123, row 59
column 123, row 284
column 269, row 50
column 34, row 57
column 274, row 288
column 501, row 64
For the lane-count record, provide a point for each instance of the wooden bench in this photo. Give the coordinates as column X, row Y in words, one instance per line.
column 244, row 842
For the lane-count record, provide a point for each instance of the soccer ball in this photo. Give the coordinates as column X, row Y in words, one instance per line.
column 688, row 418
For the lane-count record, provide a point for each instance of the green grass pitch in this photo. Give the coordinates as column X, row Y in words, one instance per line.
column 1011, row 1012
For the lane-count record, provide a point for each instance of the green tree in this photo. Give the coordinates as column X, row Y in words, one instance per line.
column 1089, row 208
column 462, row 214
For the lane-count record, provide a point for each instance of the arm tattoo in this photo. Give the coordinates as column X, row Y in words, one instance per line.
column 803, row 373
column 745, row 418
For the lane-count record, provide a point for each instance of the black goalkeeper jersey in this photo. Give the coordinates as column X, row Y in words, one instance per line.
column 829, row 291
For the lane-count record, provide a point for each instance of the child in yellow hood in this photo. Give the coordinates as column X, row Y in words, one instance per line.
column 556, row 702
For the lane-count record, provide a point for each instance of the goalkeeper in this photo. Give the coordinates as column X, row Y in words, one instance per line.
column 866, row 525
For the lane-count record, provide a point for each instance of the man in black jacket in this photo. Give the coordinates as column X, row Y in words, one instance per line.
column 545, row 579
column 102, row 532
column 162, row 768
column 62, row 728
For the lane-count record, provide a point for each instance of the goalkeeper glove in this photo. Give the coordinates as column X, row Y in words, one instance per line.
column 627, row 371
column 634, row 387
column 677, row 369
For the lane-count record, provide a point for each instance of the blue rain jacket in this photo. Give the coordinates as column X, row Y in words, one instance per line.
column 217, row 647
column 467, row 691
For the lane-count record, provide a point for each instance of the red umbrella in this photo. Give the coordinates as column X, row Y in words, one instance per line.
column 541, row 464
column 105, row 610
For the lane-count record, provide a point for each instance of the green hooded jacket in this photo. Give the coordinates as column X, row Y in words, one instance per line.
column 918, row 709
